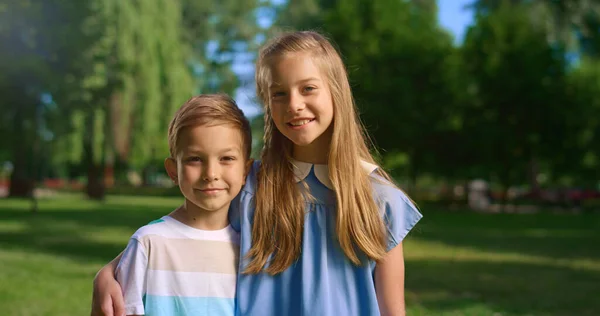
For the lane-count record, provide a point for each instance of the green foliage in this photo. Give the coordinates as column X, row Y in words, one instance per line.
column 116, row 72
column 401, row 67
column 124, row 67
column 218, row 32
column 573, row 24
column 301, row 14
column 517, row 81
column 582, row 143
column 257, row 124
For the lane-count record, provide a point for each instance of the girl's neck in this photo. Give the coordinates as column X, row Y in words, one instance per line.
column 306, row 154
column 317, row 152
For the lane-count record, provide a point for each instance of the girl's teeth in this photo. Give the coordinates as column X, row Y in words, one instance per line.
column 299, row 123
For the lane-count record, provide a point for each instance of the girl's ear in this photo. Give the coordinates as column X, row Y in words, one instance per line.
column 171, row 168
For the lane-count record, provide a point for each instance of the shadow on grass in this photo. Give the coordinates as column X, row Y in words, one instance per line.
column 63, row 229
column 504, row 288
column 74, row 246
column 442, row 286
column 553, row 286
column 548, row 235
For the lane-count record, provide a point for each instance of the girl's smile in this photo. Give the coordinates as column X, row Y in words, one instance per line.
column 300, row 122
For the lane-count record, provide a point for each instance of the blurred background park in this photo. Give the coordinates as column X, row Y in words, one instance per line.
column 487, row 112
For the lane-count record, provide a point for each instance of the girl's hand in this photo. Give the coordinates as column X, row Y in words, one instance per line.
column 107, row 298
column 389, row 283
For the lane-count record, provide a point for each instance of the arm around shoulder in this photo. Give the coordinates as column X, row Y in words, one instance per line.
column 107, row 298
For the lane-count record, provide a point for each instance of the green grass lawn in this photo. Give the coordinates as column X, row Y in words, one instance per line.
column 457, row 263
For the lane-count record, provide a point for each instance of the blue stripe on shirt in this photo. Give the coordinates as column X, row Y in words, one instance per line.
column 178, row 306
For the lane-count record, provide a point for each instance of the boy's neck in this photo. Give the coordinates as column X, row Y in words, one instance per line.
column 191, row 215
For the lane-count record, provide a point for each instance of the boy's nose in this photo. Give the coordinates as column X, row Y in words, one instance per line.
column 211, row 172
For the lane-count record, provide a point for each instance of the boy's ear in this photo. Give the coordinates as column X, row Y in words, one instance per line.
column 171, row 168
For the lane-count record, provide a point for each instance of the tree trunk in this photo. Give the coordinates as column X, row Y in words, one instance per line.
column 534, row 170
column 505, row 188
column 95, row 188
column 467, row 192
column 21, row 185
column 21, row 182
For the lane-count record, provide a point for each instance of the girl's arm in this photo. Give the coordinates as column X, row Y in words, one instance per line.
column 107, row 298
column 389, row 283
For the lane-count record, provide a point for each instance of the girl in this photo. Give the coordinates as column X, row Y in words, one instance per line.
column 321, row 225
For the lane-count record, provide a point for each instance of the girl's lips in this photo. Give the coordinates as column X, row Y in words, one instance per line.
column 299, row 123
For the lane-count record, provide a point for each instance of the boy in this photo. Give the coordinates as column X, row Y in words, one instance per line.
column 186, row 262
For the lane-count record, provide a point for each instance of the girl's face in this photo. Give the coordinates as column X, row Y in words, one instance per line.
column 301, row 106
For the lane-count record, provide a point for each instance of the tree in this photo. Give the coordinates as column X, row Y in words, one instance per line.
column 115, row 72
column 581, row 145
column 401, row 68
column 572, row 24
column 34, row 57
column 517, row 79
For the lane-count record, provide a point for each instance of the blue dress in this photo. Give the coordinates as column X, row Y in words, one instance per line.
column 323, row 282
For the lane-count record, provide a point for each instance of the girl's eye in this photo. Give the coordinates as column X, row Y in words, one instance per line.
column 309, row 89
column 278, row 94
column 228, row 158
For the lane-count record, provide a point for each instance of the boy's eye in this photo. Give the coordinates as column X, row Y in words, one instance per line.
column 194, row 159
column 228, row 158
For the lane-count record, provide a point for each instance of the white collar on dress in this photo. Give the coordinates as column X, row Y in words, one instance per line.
column 302, row 169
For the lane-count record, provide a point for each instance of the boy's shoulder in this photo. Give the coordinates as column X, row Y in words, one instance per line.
column 156, row 227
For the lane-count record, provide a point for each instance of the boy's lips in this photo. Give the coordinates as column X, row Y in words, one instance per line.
column 210, row 190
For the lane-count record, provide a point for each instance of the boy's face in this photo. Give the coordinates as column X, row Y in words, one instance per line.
column 210, row 167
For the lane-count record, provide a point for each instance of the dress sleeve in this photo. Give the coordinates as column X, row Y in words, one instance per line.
column 400, row 215
column 131, row 275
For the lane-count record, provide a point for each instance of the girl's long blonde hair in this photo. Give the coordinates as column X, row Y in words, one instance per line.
column 279, row 216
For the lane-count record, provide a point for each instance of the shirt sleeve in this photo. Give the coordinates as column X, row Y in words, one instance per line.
column 131, row 275
column 400, row 216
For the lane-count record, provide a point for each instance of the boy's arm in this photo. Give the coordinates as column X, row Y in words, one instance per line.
column 107, row 298
column 389, row 283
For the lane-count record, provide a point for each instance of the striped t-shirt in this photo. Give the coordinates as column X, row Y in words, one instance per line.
column 169, row 268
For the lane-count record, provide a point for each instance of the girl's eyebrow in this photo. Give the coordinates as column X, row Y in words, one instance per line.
column 276, row 84
column 309, row 79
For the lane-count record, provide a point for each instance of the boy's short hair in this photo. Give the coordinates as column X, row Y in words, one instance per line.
column 205, row 109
